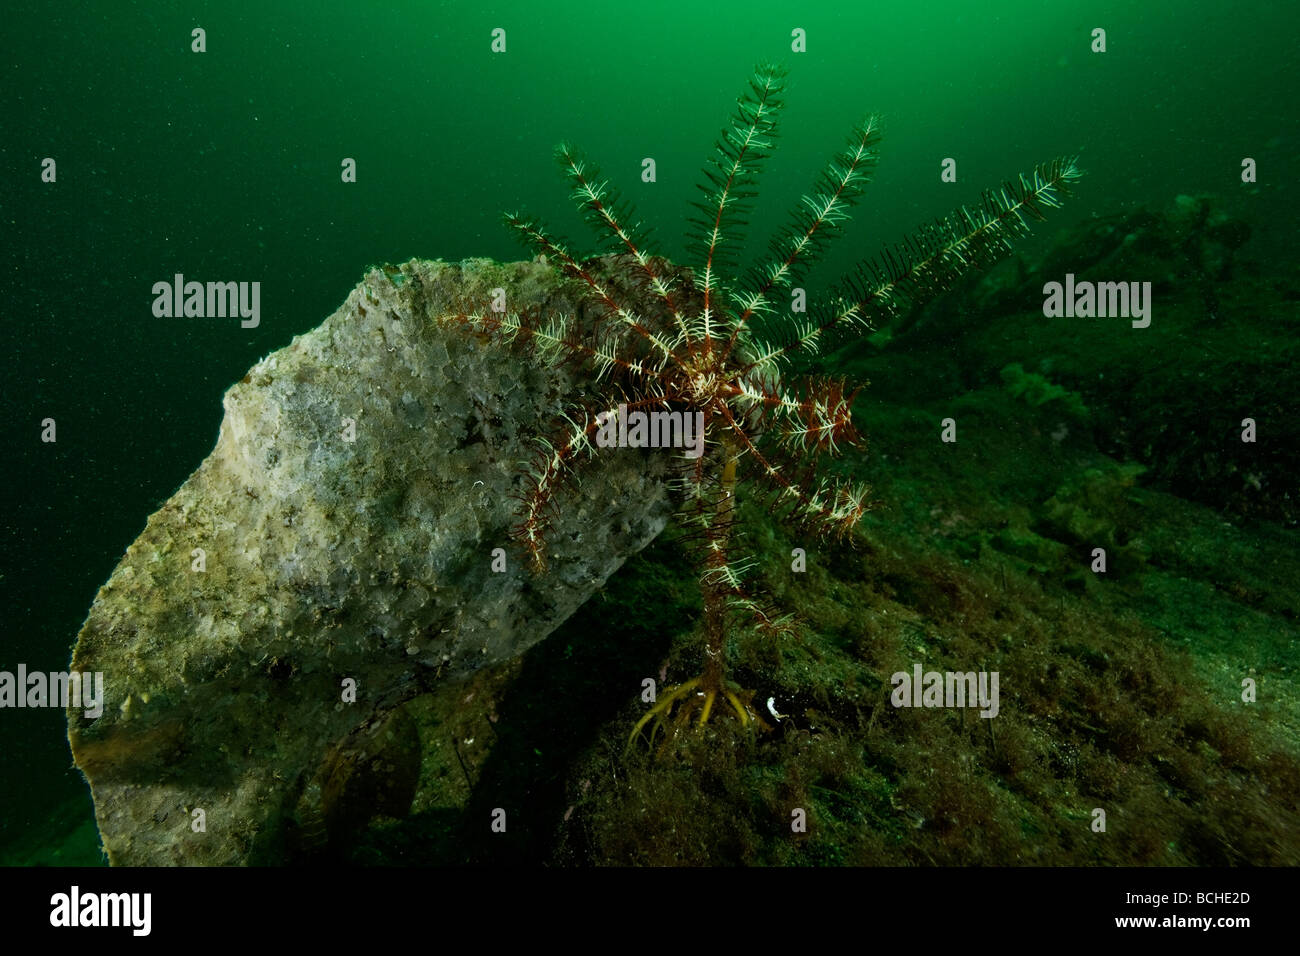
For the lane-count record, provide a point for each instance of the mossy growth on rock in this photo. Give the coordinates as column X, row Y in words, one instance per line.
column 1036, row 390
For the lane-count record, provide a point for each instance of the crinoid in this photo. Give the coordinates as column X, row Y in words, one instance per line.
column 722, row 353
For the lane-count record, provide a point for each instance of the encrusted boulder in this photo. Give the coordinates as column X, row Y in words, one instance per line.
column 342, row 530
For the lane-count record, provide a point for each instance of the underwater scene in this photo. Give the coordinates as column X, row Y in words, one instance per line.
column 650, row 434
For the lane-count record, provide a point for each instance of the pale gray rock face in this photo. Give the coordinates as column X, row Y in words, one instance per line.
column 325, row 559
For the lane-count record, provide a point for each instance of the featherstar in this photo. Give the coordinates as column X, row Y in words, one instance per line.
column 661, row 338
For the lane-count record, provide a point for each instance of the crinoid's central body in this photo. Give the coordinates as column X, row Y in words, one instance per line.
column 660, row 338
column 706, row 384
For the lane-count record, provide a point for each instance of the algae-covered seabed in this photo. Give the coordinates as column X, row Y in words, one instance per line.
column 1120, row 691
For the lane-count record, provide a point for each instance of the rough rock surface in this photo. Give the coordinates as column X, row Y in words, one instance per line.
column 325, row 559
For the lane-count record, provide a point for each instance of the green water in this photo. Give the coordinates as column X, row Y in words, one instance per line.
column 226, row 164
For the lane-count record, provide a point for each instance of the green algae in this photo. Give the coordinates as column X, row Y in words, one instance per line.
column 1036, row 390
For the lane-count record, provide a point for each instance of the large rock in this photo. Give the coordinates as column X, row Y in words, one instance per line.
column 325, row 559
